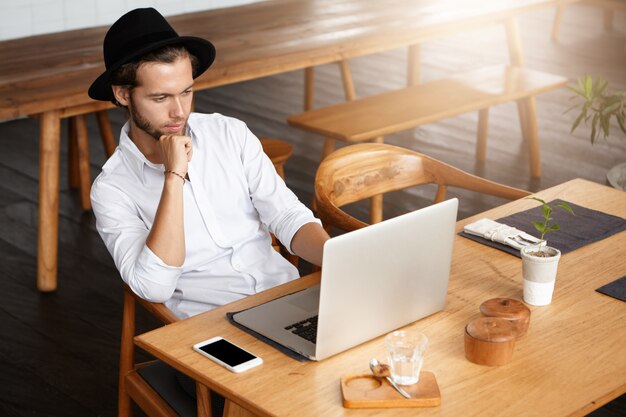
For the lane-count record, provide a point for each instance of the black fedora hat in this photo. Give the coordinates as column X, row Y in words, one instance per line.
column 135, row 34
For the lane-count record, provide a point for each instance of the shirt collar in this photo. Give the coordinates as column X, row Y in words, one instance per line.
column 136, row 159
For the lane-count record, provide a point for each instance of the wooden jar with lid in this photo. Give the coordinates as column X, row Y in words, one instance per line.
column 490, row 341
column 510, row 309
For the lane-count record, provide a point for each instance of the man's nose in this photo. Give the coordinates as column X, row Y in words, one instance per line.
column 178, row 107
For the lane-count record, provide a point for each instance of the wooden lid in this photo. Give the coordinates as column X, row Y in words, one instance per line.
column 507, row 308
column 491, row 329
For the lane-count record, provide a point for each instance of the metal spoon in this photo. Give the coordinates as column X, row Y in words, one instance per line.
column 380, row 370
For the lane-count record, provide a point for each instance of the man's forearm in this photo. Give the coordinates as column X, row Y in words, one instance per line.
column 308, row 243
column 167, row 236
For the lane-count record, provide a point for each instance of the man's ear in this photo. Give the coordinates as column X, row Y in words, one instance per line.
column 121, row 94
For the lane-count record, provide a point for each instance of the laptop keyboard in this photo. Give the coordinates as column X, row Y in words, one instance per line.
column 307, row 329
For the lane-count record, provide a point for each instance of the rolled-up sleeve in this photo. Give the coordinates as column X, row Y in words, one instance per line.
column 278, row 207
column 124, row 233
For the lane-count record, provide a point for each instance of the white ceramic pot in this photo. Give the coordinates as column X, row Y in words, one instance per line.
column 616, row 176
column 539, row 274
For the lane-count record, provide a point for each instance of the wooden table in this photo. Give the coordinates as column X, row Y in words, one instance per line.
column 571, row 361
column 47, row 76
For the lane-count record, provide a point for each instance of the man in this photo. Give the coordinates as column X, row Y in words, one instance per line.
column 186, row 203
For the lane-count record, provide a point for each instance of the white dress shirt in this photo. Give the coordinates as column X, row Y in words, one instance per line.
column 232, row 200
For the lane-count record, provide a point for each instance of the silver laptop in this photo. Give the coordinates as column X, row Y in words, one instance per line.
column 374, row 280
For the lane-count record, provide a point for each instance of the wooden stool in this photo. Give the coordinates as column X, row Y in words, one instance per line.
column 278, row 151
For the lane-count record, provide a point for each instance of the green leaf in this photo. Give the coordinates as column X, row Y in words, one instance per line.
column 537, row 199
column 588, row 86
column 553, row 227
column 539, row 226
column 575, row 106
column 547, row 210
column 612, row 108
column 600, row 86
column 576, row 90
column 566, row 207
column 594, row 127
column 622, row 123
column 604, row 123
column 578, row 120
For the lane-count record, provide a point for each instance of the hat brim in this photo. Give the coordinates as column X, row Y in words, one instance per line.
column 204, row 50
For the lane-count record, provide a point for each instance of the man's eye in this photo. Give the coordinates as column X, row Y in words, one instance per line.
column 187, row 92
column 159, row 99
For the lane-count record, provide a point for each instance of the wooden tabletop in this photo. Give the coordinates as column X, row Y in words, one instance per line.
column 53, row 71
column 570, row 362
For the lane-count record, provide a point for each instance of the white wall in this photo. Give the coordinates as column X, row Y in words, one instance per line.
column 20, row 18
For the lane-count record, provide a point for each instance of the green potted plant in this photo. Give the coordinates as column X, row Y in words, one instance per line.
column 540, row 262
column 597, row 108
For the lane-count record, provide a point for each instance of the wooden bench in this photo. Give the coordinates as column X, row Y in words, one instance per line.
column 371, row 118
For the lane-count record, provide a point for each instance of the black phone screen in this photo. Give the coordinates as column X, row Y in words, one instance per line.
column 227, row 352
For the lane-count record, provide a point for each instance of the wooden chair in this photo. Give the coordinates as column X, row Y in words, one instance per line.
column 369, row 170
column 132, row 385
column 153, row 386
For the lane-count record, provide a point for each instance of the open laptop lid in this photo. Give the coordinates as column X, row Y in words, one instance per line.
column 384, row 276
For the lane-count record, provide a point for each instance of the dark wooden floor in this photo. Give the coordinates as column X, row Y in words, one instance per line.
column 58, row 355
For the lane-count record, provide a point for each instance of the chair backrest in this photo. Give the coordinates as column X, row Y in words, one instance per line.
column 362, row 171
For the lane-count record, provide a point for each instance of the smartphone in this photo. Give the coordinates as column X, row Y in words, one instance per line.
column 227, row 354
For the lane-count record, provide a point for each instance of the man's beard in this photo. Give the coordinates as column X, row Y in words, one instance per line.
column 145, row 125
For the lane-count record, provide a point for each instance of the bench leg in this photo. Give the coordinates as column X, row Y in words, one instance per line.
column 528, row 122
column 556, row 24
column 48, row 212
column 348, row 83
column 516, row 54
column 73, row 176
column 481, row 137
column 106, row 133
column 309, row 84
column 82, row 150
column 413, row 65
column 329, row 147
column 350, row 93
column 79, row 174
column 309, row 88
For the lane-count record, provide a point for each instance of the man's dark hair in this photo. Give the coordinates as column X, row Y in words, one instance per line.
column 126, row 75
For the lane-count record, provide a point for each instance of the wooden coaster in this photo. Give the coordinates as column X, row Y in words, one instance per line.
column 367, row 391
